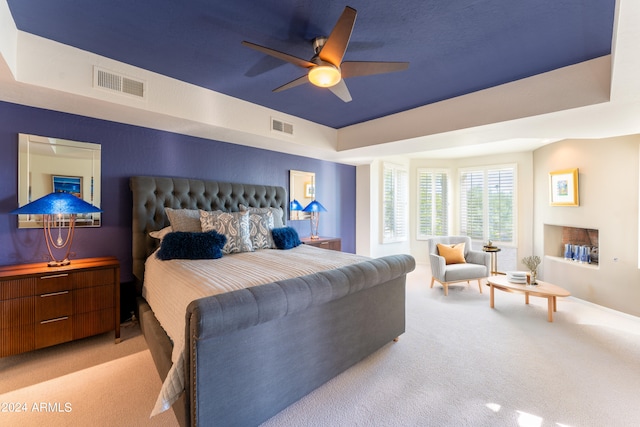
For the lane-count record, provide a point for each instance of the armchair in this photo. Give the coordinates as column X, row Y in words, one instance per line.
column 476, row 267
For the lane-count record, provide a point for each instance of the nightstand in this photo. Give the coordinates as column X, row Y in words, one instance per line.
column 332, row 243
column 41, row 306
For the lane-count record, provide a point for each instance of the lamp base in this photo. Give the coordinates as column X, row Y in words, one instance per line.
column 314, row 237
column 54, row 263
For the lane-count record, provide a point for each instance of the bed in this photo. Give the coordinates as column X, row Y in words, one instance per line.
column 252, row 352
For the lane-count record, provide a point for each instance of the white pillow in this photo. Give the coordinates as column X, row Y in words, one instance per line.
column 159, row 234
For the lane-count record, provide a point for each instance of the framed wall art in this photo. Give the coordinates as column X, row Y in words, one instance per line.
column 67, row 184
column 563, row 187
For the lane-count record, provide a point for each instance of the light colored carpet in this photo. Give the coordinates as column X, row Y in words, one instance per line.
column 90, row 382
column 460, row 363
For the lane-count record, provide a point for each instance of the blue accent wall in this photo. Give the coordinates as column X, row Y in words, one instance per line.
column 132, row 150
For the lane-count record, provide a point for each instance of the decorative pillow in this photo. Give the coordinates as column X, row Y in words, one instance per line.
column 188, row 245
column 234, row 225
column 184, row 219
column 285, row 237
column 159, row 234
column 453, row 254
column 276, row 212
column 260, row 226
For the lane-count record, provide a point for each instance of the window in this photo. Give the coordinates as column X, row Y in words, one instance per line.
column 394, row 203
column 487, row 203
column 433, row 203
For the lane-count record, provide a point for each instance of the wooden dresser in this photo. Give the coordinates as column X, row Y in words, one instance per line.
column 42, row 306
column 333, row 243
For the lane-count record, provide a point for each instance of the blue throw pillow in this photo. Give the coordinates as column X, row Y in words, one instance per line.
column 285, row 238
column 192, row 245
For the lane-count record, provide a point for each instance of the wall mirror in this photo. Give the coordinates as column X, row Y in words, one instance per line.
column 301, row 189
column 51, row 164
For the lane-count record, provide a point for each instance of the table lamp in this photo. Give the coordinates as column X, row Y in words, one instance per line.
column 314, row 208
column 53, row 207
column 296, row 207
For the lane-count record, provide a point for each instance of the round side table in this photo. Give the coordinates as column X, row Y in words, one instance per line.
column 493, row 251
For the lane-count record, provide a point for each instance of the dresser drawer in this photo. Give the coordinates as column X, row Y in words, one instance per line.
column 331, row 243
column 53, row 305
column 17, row 288
column 92, row 299
column 54, row 331
column 54, row 282
column 17, row 312
column 17, row 339
column 91, row 278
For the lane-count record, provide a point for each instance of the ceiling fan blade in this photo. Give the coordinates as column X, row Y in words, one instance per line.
column 337, row 42
column 341, row 91
column 297, row 82
column 280, row 55
column 366, row 68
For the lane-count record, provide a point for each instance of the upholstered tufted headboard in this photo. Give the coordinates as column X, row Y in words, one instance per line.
column 152, row 194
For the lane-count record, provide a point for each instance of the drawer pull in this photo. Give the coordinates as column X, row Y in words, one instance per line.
column 324, row 243
column 54, row 320
column 55, row 275
column 52, row 294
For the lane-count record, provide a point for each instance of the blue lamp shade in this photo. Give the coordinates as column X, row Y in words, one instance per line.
column 53, row 207
column 57, row 203
column 314, row 206
column 295, row 205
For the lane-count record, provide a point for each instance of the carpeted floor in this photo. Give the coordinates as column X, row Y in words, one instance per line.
column 459, row 363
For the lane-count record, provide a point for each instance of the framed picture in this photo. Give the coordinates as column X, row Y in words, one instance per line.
column 563, row 186
column 67, row 184
column 309, row 190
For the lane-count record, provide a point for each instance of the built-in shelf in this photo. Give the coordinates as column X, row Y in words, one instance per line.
column 557, row 236
column 571, row 262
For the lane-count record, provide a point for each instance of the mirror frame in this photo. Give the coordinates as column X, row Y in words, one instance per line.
column 301, row 188
column 53, row 164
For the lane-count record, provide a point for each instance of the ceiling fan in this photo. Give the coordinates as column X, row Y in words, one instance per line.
column 325, row 68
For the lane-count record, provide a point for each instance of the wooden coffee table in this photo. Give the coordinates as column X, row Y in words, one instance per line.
column 542, row 289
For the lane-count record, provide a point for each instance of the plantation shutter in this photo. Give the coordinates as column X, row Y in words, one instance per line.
column 433, row 203
column 487, row 204
column 500, row 204
column 471, row 204
column 394, row 203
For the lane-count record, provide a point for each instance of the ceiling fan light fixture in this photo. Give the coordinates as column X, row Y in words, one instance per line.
column 324, row 76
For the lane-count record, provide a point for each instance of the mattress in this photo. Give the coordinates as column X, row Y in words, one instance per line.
column 169, row 287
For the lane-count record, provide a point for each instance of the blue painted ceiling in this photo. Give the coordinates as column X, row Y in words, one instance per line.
column 454, row 47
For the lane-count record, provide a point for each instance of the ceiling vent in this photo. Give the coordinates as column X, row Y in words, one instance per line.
column 118, row 83
column 282, row 127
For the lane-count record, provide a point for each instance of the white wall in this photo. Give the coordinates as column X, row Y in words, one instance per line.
column 369, row 210
column 608, row 193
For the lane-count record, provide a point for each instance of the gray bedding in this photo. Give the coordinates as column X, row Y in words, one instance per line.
column 253, row 352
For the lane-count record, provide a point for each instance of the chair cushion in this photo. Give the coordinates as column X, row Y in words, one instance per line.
column 464, row 272
column 452, row 254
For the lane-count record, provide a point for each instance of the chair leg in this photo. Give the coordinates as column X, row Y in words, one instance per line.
column 446, row 289
column 433, row 279
column 480, row 285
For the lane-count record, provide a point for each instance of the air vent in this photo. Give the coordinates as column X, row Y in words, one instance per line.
column 280, row 126
column 117, row 83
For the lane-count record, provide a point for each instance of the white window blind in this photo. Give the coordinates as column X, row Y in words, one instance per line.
column 394, row 203
column 471, row 204
column 487, row 204
column 433, row 203
column 500, row 200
